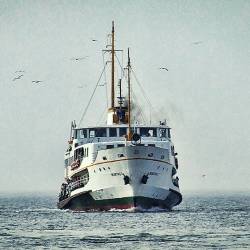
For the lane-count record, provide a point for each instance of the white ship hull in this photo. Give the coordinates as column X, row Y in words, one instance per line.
column 133, row 177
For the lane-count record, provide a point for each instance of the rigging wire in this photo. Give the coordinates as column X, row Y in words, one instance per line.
column 86, row 108
column 151, row 107
column 139, row 108
column 142, row 90
column 105, row 79
column 102, row 117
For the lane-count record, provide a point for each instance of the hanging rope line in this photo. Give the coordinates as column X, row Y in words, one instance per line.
column 86, row 109
column 151, row 108
column 105, row 79
column 139, row 108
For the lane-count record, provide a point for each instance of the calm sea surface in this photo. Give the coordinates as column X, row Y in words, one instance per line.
column 201, row 222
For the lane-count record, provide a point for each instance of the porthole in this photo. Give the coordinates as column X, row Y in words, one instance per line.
column 104, row 158
column 100, row 170
column 150, row 155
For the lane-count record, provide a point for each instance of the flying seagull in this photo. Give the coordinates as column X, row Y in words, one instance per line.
column 19, row 71
column 36, row 81
column 17, row 78
column 78, row 58
column 164, row 68
column 198, row 42
column 94, row 40
column 203, row 175
column 100, row 85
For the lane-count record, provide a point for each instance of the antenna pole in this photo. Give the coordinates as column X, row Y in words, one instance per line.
column 113, row 68
column 129, row 100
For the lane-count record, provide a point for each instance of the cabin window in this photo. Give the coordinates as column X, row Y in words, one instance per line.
column 91, row 133
column 112, row 132
column 110, row 146
column 163, row 133
column 83, row 133
column 101, row 132
column 122, row 132
column 104, row 158
column 120, row 145
column 98, row 132
column 150, row 155
column 148, row 132
column 169, row 134
column 151, row 145
column 78, row 154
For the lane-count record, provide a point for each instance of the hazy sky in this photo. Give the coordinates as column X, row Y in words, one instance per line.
column 205, row 95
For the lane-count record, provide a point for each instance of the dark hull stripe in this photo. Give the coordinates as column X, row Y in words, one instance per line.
column 85, row 202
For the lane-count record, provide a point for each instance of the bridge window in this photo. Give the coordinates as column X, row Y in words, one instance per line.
column 112, row 132
column 91, row 133
column 101, row 132
column 169, row 134
column 122, row 132
column 97, row 132
column 83, row 133
column 110, row 146
column 148, row 132
column 163, row 133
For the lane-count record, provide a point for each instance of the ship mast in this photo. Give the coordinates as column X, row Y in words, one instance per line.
column 113, row 68
column 129, row 100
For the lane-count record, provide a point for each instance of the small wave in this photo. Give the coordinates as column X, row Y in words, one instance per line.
column 140, row 210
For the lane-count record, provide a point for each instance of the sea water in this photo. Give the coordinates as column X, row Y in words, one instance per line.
column 204, row 221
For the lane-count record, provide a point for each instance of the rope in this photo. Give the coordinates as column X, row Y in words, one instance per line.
column 86, row 109
column 105, row 79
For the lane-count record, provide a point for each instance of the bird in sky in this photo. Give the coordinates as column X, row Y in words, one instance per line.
column 203, row 176
column 198, row 42
column 94, row 40
column 103, row 84
column 82, row 86
column 36, row 81
column 19, row 71
column 17, row 78
column 164, row 68
column 78, row 58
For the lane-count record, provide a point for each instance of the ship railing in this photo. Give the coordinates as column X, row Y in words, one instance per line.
column 79, row 183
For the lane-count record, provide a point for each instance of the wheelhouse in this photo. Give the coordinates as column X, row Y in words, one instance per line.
column 120, row 132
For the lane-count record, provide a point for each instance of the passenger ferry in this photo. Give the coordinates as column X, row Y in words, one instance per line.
column 122, row 165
